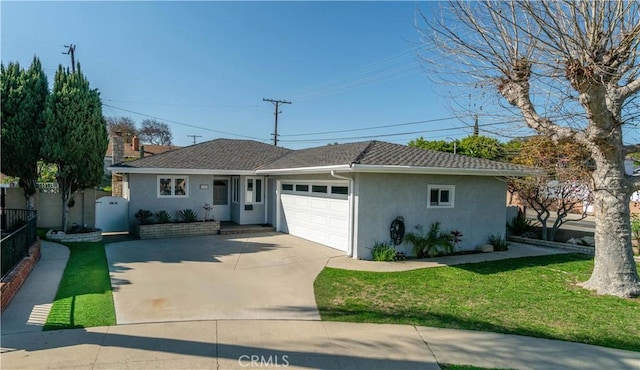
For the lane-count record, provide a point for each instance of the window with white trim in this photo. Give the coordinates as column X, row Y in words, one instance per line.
column 254, row 190
column 235, row 189
column 441, row 196
column 173, row 186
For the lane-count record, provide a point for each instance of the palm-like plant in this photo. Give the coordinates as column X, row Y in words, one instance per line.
column 430, row 243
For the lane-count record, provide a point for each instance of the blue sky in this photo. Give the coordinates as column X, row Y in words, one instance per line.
column 344, row 66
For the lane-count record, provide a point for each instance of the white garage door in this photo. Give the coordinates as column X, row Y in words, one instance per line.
column 319, row 216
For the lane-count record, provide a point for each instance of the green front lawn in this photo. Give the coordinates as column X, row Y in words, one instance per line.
column 534, row 296
column 84, row 295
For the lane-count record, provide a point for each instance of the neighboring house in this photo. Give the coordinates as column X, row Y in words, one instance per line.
column 344, row 196
column 134, row 150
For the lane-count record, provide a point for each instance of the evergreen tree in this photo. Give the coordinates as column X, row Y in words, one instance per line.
column 24, row 94
column 75, row 135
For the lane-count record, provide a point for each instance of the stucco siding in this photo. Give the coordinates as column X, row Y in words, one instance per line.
column 143, row 194
column 478, row 211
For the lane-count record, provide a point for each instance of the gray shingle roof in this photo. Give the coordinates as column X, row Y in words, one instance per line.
column 379, row 153
column 247, row 155
column 219, row 154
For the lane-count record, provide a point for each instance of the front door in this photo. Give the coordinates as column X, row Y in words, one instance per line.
column 221, row 209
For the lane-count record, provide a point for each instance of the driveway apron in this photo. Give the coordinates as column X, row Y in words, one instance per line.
column 251, row 276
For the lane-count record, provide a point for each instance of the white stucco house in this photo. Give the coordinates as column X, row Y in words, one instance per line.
column 344, row 196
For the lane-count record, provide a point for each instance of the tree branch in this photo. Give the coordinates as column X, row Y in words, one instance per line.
column 635, row 183
column 629, row 89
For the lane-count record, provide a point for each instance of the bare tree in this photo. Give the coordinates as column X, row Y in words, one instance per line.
column 125, row 125
column 154, row 132
column 563, row 186
column 571, row 70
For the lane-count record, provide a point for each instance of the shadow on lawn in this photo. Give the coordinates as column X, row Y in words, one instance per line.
column 439, row 320
column 494, row 267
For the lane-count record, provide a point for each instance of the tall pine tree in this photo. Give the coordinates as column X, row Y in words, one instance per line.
column 24, row 94
column 75, row 135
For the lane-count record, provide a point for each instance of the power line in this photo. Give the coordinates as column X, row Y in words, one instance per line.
column 374, row 127
column 184, row 124
column 395, row 134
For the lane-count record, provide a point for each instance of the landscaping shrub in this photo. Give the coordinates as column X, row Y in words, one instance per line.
column 163, row 217
column 144, row 216
column 188, row 215
column 383, row 252
column 519, row 224
column 432, row 243
column 499, row 243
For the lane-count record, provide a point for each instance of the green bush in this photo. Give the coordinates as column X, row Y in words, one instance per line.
column 383, row 252
column 188, row 215
column 432, row 243
column 635, row 228
column 144, row 216
column 499, row 243
column 163, row 217
column 520, row 224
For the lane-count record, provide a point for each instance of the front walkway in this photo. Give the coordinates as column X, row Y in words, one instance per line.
column 30, row 307
column 516, row 250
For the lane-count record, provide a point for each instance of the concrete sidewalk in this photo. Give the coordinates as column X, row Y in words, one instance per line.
column 30, row 307
column 516, row 250
column 238, row 344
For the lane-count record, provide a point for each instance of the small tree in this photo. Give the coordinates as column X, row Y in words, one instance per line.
column 481, row 147
column 563, row 186
column 154, row 132
column 75, row 135
column 24, row 94
column 124, row 125
column 438, row 145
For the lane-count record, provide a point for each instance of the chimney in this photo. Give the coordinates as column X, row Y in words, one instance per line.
column 135, row 143
column 117, row 156
column 117, row 148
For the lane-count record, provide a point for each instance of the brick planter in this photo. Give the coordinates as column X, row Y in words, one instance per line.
column 174, row 230
column 94, row 236
column 12, row 282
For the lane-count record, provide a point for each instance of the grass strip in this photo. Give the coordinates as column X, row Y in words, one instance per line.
column 84, row 296
column 533, row 296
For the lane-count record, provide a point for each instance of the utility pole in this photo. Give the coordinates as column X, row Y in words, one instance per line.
column 71, row 49
column 276, row 103
column 194, row 138
column 476, row 127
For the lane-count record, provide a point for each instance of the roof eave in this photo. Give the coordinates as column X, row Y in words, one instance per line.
column 443, row 170
column 304, row 170
column 178, row 171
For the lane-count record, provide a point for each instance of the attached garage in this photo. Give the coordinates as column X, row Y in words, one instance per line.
column 316, row 211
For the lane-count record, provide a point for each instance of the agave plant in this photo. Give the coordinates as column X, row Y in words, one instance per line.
column 188, row 215
column 163, row 217
column 144, row 216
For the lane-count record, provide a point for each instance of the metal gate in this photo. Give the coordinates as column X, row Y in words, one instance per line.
column 112, row 214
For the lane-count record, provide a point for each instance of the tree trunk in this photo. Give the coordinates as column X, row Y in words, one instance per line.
column 614, row 271
column 65, row 209
column 31, row 202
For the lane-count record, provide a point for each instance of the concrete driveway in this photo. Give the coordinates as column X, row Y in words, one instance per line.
column 251, row 276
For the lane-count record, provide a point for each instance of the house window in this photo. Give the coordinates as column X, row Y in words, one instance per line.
column 441, row 196
column 342, row 190
column 319, row 189
column 302, row 188
column 235, row 189
column 287, row 187
column 254, row 190
column 173, row 186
